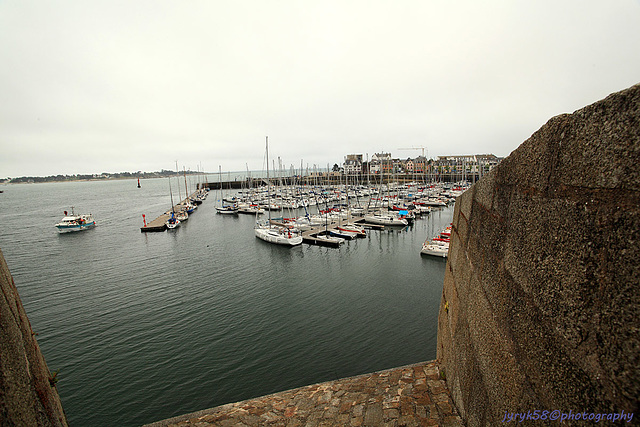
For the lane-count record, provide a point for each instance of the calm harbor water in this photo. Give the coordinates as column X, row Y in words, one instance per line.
column 146, row 326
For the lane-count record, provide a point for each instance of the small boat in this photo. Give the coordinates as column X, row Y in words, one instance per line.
column 250, row 209
column 330, row 239
column 435, row 249
column 409, row 216
column 345, row 235
column 182, row 215
column 382, row 219
column 75, row 222
column 188, row 206
column 439, row 245
column 353, row 229
column 227, row 209
column 172, row 222
column 277, row 235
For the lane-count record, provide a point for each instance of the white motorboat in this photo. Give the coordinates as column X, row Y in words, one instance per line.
column 382, row 219
column 75, row 222
column 435, row 249
column 439, row 245
column 227, row 209
column 353, row 229
column 251, row 209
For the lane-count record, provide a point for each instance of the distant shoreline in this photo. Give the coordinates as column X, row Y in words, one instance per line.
column 74, row 180
column 94, row 177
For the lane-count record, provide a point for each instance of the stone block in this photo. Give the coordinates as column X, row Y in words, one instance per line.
column 26, row 394
column 540, row 299
column 484, row 189
column 464, row 203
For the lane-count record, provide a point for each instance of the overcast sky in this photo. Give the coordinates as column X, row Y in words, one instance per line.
column 112, row 86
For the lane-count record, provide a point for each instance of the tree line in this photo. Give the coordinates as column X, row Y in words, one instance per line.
column 103, row 176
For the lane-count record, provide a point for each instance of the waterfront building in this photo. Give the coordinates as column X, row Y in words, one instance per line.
column 353, row 164
column 468, row 167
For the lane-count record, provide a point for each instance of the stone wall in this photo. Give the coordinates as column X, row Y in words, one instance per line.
column 541, row 298
column 27, row 397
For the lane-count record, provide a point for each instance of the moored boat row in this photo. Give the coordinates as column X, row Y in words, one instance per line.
column 438, row 245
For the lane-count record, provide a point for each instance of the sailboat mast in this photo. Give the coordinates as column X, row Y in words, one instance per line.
column 220, row 185
column 171, row 193
column 178, row 180
column 268, row 183
column 186, row 190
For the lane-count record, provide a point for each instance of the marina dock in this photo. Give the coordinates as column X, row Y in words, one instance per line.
column 160, row 223
column 311, row 236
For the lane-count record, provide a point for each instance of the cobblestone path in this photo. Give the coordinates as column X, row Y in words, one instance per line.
column 408, row 396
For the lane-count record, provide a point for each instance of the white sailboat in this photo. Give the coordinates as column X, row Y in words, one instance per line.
column 172, row 222
column 231, row 209
column 439, row 245
column 272, row 233
column 435, row 249
column 349, row 227
column 248, row 206
column 385, row 219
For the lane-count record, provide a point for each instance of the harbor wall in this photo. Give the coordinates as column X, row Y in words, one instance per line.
column 27, row 390
column 540, row 304
column 341, row 179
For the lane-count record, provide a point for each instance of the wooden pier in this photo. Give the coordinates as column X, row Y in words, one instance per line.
column 369, row 226
column 160, row 223
column 309, row 237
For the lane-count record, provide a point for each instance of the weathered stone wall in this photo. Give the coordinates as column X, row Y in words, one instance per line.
column 27, row 397
column 541, row 299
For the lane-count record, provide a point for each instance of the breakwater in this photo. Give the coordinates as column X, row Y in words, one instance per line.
column 337, row 179
column 540, row 303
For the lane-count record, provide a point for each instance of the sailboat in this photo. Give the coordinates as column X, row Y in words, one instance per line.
column 248, row 206
column 349, row 228
column 172, row 222
column 225, row 209
column 382, row 218
column 272, row 233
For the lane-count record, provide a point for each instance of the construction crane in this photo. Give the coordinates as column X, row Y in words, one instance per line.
column 417, row 148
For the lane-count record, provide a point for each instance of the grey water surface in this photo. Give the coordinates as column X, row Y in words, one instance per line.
column 146, row 326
